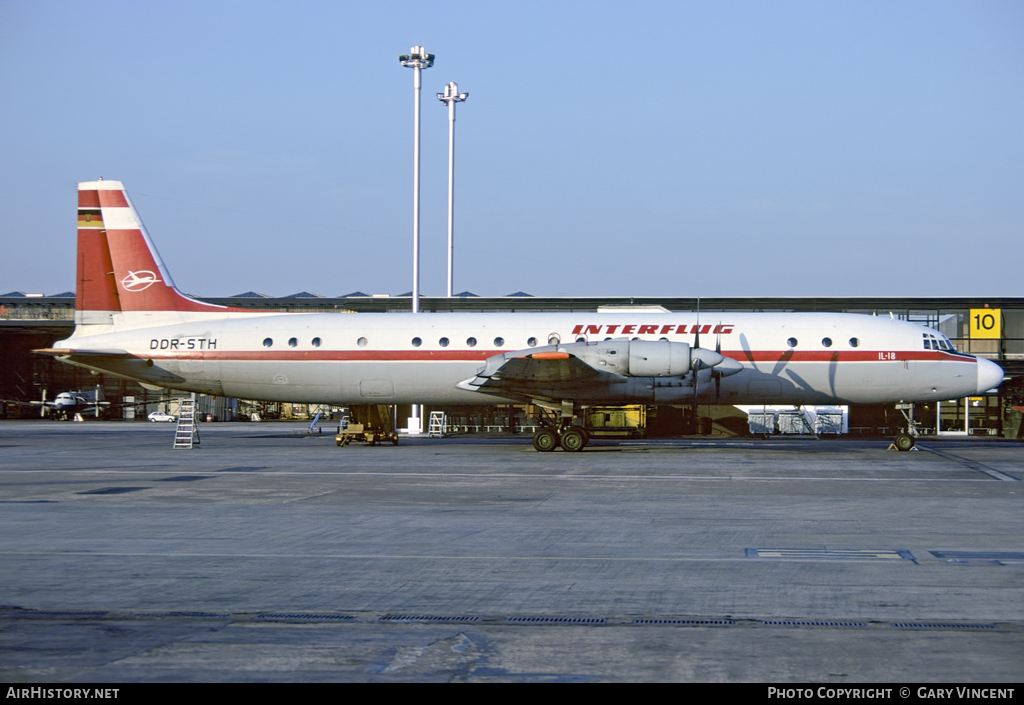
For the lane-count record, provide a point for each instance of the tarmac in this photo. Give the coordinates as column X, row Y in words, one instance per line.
column 266, row 554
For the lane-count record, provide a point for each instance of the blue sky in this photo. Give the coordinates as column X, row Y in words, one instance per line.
column 621, row 149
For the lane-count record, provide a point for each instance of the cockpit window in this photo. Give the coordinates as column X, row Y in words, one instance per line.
column 937, row 342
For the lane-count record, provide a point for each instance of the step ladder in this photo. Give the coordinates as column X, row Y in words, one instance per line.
column 435, row 429
column 187, row 433
column 808, row 422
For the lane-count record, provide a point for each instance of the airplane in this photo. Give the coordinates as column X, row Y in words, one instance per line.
column 132, row 322
column 67, row 403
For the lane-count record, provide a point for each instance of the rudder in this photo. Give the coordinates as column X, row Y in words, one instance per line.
column 96, row 298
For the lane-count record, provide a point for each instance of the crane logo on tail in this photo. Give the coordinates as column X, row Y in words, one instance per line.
column 139, row 281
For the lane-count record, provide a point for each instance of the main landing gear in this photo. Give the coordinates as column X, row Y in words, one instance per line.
column 571, row 438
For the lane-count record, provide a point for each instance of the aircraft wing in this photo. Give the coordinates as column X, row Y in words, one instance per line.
column 600, row 371
column 540, row 373
column 19, row 402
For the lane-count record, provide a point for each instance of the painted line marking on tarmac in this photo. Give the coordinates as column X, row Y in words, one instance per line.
column 797, row 555
column 830, row 554
column 484, row 476
column 992, row 557
column 367, row 556
column 972, row 464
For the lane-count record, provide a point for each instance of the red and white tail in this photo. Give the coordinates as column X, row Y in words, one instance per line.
column 119, row 269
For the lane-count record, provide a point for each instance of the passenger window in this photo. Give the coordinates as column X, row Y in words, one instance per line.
column 553, row 339
column 443, row 342
column 532, row 342
column 362, row 342
column 316, row 342
column 827, row 342
column 791, row 342
column 416, row 342
column 854, row 342
column 292, row 342
column 268, row 342
column 471, row 342
column 499, row 342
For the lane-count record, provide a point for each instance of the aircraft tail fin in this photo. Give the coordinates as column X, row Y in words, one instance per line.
column 119, row 269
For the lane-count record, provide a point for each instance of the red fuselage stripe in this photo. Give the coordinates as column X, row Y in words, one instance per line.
column 770, row 356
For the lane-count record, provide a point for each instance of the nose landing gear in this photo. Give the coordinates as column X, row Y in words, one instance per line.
column 906, row 439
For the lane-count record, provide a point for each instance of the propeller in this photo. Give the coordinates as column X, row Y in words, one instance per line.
column 706, row 359
column 715, row 374
column 696, row 385
column 696, row 364
column 719, row 365
column 713, row 360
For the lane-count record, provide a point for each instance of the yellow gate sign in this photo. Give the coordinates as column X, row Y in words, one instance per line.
column 986, row 323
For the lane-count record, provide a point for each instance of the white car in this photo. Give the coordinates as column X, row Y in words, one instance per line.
column 161, row 416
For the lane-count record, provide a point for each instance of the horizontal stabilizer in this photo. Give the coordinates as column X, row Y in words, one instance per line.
column 61, row 352
column 117, row 362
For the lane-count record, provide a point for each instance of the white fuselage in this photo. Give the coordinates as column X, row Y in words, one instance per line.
column 402, row 358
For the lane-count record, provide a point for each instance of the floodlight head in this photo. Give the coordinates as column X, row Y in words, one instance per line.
column 417, row 58
column 451, row 94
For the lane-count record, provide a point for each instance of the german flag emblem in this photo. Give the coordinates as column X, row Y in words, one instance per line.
column 90, row 219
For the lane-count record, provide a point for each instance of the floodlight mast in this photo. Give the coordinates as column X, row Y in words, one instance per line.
column 417, row 59
column 450, row 97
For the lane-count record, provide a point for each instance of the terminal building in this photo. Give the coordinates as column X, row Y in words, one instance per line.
column 991, row 327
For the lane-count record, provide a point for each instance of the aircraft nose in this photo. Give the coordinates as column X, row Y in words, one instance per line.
column 990, row 375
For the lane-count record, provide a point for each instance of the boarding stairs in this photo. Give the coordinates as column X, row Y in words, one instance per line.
column 186, row 434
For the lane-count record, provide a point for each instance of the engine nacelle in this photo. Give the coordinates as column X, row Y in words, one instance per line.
column 634, row 358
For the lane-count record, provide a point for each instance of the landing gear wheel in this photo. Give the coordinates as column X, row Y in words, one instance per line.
column 545, row 440
column 574, row 439
column 904, row 442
